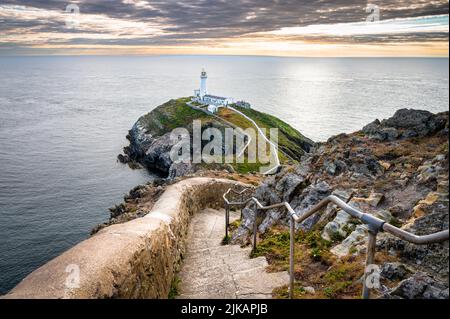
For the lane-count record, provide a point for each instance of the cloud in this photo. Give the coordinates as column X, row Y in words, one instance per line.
column 170, row 22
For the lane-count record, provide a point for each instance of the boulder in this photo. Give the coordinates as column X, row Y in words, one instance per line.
column 310, row 197
column 406, row 124
column 180, row 169
column 335, row 168
column 289, row 185
column 157, row 156
column 309, row 290
column 264, row 193
column 420, row 286
column 336, row 227
column 428, row 258
column 357, row 238
column 395, row 271
column 331, row 208
column 246, row 226
column 422, row 123
column 273, row 216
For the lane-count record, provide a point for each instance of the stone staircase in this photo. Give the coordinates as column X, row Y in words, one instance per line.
column 213, row 271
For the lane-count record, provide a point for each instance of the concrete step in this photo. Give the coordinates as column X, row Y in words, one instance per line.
column 213, row 271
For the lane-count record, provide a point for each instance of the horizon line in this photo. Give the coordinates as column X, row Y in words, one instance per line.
column 228, row 55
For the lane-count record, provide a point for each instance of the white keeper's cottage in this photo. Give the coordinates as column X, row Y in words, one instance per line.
column 214, row 102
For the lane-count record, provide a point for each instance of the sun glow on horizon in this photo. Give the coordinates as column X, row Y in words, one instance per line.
column 101, row 34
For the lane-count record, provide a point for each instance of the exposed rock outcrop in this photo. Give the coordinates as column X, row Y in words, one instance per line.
column 396, row 170
column 406, row 124
column 151, row 143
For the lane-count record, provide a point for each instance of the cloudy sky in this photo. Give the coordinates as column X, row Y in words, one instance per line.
column 259, row 27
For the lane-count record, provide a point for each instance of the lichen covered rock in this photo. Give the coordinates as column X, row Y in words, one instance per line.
column 396, row 170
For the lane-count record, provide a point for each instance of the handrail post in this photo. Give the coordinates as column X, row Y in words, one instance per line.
column 371, row 247
column 255, row 230
column 242, row 206
column 291, row 258
column 227, row 219
column 374, row 224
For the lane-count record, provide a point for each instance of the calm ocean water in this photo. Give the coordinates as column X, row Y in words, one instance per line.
column 63, row 120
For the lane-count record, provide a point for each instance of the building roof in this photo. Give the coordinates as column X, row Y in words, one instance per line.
column 215, row 97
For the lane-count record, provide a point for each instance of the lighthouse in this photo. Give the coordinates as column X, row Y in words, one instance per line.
column 203, row 90
column 212, row 102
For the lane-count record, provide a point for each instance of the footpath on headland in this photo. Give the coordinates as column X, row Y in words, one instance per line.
column 273, row 147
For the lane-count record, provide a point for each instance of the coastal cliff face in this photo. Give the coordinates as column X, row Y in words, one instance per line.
column 150, row 142
column 397, row 170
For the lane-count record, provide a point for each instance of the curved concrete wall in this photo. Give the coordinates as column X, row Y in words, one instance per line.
column 133, row 260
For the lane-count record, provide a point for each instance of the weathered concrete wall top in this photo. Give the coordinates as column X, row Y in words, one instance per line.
column 133, row 260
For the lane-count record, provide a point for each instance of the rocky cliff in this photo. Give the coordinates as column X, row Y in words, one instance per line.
column 396, row 169
column 150, row 142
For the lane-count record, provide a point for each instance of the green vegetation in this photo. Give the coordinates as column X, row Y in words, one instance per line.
column 315, row 266
column 171, row 115
column 240, row 121
column 275, row 246
column 289, row 139
column 395, row 222
column 235, row 225
column 176, row 113
column 348, row 228
column 245, row 168
column 174, row 288
column 226, row 240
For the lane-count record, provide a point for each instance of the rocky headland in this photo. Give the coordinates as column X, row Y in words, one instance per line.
column 395, row 169
column 150, row 141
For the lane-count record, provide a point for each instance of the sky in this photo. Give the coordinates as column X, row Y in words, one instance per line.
column 311, row 28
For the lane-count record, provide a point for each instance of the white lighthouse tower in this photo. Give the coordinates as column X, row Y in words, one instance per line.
column 212, row 102
column 203, row 90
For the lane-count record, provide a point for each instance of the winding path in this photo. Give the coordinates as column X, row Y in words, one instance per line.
column 274, row 147
column 270, row 171
column 213, row 271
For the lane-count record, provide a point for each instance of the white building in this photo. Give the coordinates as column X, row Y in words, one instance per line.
column 213, row 102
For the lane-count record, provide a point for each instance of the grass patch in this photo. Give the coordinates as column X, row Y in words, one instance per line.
column 176, row 113
column 275, row 246
column 226, row 240
column 240, row 121
column 290, row 141
column 175, row 288
column 235, row 225
column 315, row 265
column 171, row 115
column 395, row 222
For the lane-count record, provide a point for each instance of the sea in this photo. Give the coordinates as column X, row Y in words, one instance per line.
column 63, row 121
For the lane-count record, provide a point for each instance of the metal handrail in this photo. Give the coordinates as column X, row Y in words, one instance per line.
column 230, row 204
column 375, row 225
